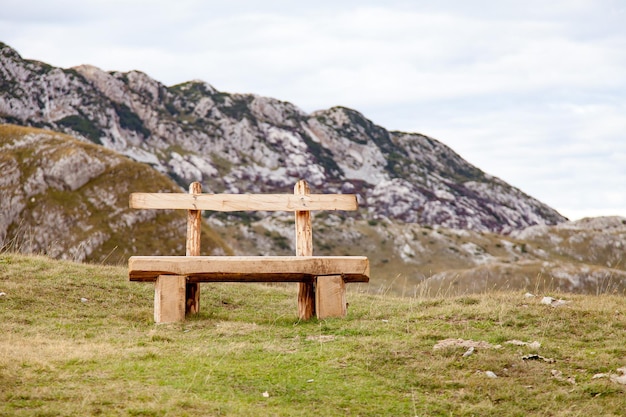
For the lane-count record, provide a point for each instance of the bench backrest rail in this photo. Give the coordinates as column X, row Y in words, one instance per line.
column 243, row 202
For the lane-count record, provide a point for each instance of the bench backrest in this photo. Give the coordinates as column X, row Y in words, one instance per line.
column 302, row 202
column 243, row 202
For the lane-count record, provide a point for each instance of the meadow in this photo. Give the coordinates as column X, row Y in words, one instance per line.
column 79, row 339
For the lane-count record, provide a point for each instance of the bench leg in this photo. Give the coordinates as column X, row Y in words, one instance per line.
column 169, row 298
column 192, row 302
column 306, row 300
column 330, row 297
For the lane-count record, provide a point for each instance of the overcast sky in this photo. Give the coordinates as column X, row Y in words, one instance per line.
column 531, row 91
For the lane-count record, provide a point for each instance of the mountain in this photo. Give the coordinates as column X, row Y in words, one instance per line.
column 246, row 143
column 76, row 142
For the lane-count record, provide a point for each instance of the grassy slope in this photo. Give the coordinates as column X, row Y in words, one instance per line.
column 84, row 209
column 62, row 356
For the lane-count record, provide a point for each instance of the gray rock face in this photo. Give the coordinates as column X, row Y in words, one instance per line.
column 246, row 143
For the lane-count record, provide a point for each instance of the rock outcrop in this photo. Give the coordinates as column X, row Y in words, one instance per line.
column 247, row 143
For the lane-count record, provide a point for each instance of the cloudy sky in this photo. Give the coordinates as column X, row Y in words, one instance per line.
column 531, row 91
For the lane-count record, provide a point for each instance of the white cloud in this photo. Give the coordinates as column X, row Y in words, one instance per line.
column 532, row 92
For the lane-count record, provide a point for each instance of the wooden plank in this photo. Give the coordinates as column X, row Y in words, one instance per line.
column 243, row 202
column 304, row 247
column 169, row 299
column 330, row 297
column 249, row 268
column 194, row 224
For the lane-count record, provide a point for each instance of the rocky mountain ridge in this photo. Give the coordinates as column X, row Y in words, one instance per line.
column 69, row 199
column 430, row 222
column 246, row 143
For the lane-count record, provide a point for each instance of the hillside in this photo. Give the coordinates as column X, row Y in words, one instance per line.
column 429, row 221
column 79, row 340
column 69, row 199
column 585, row 256
column 247, row 143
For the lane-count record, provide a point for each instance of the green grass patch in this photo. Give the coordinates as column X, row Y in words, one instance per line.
column 79, row 340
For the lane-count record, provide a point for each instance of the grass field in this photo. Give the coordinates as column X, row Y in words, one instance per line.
column 79, row 340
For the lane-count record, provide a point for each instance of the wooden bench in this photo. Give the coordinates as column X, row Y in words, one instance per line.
column 321, row 279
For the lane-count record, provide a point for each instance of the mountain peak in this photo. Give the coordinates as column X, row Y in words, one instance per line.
column 247, row 143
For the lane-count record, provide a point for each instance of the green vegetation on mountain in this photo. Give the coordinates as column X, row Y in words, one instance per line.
column 83, row 126
column 129, row 120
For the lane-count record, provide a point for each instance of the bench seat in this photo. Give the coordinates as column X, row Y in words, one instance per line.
column 249, row 268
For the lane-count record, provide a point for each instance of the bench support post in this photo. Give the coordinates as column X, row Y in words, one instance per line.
column 330, row 297
column 169, row 298
column 194, row 224
column 304, row 247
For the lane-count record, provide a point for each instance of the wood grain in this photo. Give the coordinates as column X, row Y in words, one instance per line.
column 330, row 297
column 249, row 268
column 194, row 226
column 169, row 299
column 243, row 202
column 304, row 247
